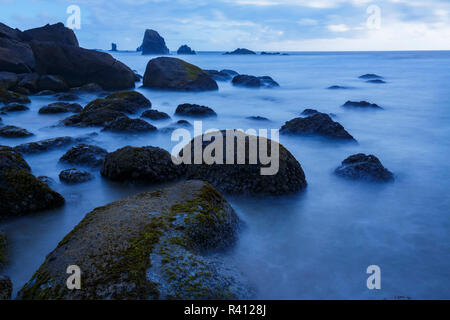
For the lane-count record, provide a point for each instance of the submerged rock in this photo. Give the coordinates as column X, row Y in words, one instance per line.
column 147, row 164
column 335, row 87
column 85, row 154
column 218, row 75
column 245, row 178
column 185, row 49
column 316, row 124
column 7, row 96
column 44, row 145
column 20, row 191
column 126, row 124
column 194, row 110
column 370, row 76
column 13, row 107
column 309, row 112
column 244, row 80
column 153, row 245
column 257, row 118
column 376, row 81
column 176, row 74
column 155, row 115
column 6, row 288
column 361, row 104
column 61, row 107
column 241, row 51
column 364, row 167
column 153, row 43
column 14, row 132
column 74, row 175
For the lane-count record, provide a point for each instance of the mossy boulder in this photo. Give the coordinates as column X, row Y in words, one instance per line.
column 154, row 245
column 245, row 178
column 21, row 192
column 14, row 107
column 7, row 96
column 147, row 164
column 61, row 107
column 176, row 74
column 100, row 112
column 194, row 110
column 85, row 155
column 14, row 132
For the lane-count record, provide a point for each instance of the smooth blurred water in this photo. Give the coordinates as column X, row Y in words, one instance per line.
column 317, row 244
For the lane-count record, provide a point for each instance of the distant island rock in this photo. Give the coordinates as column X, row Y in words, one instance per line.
column 370, row 76
column 241, row 51
column 185, row 49
column 113, row 47
column 361, row 104
column 153, row 43
column 176, row 74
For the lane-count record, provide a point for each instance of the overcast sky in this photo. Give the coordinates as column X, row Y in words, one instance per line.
column 278, row 25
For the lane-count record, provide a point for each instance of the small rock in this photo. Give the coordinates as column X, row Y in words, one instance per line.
column 194, row 110
column 244, row 80
column 67, row 96
column 257, row 118
column 44, row 145
column 61, row 107
column 155, row 115
column 126, row 124
column 241, row 51
column 74, row 176
column 370, row 76
column 376, row 81
column 364, row 167
column 361, row 104
column 7, row 97
column 13, row 107
column 309, row 112
column 14, row 132
column 84, row 154
column 338, row 88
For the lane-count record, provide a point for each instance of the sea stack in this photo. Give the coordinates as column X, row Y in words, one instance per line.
column 153, row 43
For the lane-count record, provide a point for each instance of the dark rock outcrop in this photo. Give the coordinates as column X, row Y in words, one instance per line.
column 78, row 66
column 147, row 164
column 245, row 178
column 241, row 51
column 244, row 80
column 155, row 115
column 85, row 155
column 67, row 96
column 361, row 104
column 364, row 167
column 87, row 88
column 309, row 112
column 316, row 124
column 376, row 81
column 185, row 49
column 176, row 74
column 126, row 124
column 257, row 118
column 335, row 87
column 153, row 43
column 53, row 83
column 113, row 47
column 74, row 175
column 370, row 76
column 14, row 107
column 7, row 96
column 6, row 288
column 194, row 110
column 44, row 145
column 14, row 132
column 56, row 33
column 61, row 107
column 153, row 245
column 20, row 191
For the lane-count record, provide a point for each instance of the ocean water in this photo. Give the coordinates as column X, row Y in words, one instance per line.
column 316, row 244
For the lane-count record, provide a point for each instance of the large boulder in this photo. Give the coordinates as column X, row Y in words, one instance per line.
column 51, row 82
column 78, row 66
column 85, row 155
column 153, row 43
column 185, row 49
column 364, row 167
column 176, row 74
column 154, row 245
column 194, row 110
column 319, row 124
column 21, row 192
column 16, row 56
column 241, row 51
column 245, row 178
column 147, row 164
column 56, row 33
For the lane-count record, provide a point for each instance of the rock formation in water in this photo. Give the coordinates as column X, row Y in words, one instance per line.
column 241, row 51
column 176, row 74
column 113, row 47
column 185, row 49
column 364, row 167
column 153, row 43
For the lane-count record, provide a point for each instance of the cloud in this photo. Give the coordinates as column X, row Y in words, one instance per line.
column 338, row 28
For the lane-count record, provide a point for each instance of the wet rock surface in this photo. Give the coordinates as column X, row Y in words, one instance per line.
column 7, row 96
column 361, row 104
column 154, row 245
column 176, row 74
column 14, row 132
column 126, row 124
column 73, row 176
column 85, row 155
column 194, row 110
column 244, row 80
column 44, row 145
column 61, row 107
column 245, row 178
column 319, row 124
column 14, row 107
column 364, row 167
column 146, row 164
column 155, row 115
